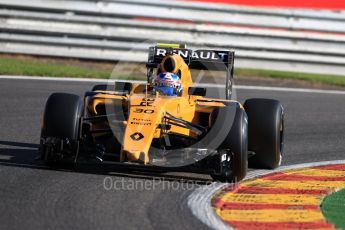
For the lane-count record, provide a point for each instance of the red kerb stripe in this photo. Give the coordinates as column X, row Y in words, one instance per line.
column 292, row 177
column 278, row 225
column 241, row 206
column 259, row 190
column 340, row 167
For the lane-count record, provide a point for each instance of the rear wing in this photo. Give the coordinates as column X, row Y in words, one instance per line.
column 199, row 59
column 214, row 60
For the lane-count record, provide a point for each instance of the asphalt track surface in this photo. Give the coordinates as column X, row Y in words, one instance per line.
column 34, row 197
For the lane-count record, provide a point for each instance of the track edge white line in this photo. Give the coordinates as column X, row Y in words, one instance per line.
column 245, row 87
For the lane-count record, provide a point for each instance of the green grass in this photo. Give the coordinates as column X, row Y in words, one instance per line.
column 315, row 78
column 333, row 208
column 15, row 66
column 12, row 66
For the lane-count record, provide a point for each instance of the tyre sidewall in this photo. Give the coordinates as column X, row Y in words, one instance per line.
column 265, row 117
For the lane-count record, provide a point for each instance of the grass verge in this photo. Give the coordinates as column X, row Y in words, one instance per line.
column 333, row 208
column 37, row 67
column 314, row 78
column 12, row 66
column 25, row 67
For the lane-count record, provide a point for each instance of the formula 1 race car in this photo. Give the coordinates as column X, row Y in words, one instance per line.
column 133, row 125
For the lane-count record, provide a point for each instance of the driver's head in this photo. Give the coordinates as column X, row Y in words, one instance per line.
column 168, row 84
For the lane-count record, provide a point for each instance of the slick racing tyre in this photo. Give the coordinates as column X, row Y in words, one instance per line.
column 60, row 128
column 231, row 161
column 265, row 132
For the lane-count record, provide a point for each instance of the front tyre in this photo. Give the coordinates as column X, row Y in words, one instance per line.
column 59, row 142
column 233, row 153
column 265, row 132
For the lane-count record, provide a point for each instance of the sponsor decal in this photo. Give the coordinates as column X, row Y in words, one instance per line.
column 139, row 121
column 196, row 55
column 147, row 102
column 137, row 136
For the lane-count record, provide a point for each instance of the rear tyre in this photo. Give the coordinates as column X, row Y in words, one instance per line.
column 232, row 161
column 265, row 132
column 61, row 129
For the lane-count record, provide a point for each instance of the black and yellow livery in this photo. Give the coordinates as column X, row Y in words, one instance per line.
column 132, row 125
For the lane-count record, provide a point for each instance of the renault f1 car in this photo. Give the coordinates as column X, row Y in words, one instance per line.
column 132, row 125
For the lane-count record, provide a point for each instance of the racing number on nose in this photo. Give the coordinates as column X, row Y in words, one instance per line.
column 147, row 102
column 147, row 111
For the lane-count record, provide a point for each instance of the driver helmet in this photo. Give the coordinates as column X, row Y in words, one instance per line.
column 168, row 84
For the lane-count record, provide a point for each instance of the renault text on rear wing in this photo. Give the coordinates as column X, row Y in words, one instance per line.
column 198, row 59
